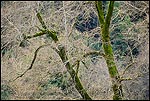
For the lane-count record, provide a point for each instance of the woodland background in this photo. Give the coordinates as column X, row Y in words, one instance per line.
column 78, row 27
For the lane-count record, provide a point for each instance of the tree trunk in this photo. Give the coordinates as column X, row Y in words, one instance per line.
column 106, row 43
column 78, row 85
column 64, row 58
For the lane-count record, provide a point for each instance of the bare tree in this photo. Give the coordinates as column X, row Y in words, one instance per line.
column 77, row 28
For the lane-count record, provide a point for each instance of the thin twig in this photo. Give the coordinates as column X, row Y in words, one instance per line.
column 77, row 69
column 94, row 53
column 127, row 67
column 127, row 2
column 125, row 79
column 84, row 64
column 35, row 55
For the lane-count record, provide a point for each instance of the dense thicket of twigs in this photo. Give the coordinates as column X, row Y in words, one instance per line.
column 78, row 30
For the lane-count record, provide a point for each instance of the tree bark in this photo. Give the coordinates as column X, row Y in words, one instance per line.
column 106, row 43
column 64, row 58
column 78, row 85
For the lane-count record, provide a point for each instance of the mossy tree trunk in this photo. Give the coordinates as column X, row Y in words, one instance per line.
column 64, row 58
column 78, row 85
column 106, row 43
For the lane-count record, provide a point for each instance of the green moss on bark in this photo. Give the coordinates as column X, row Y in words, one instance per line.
column 78, row 85
column 109, row 57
